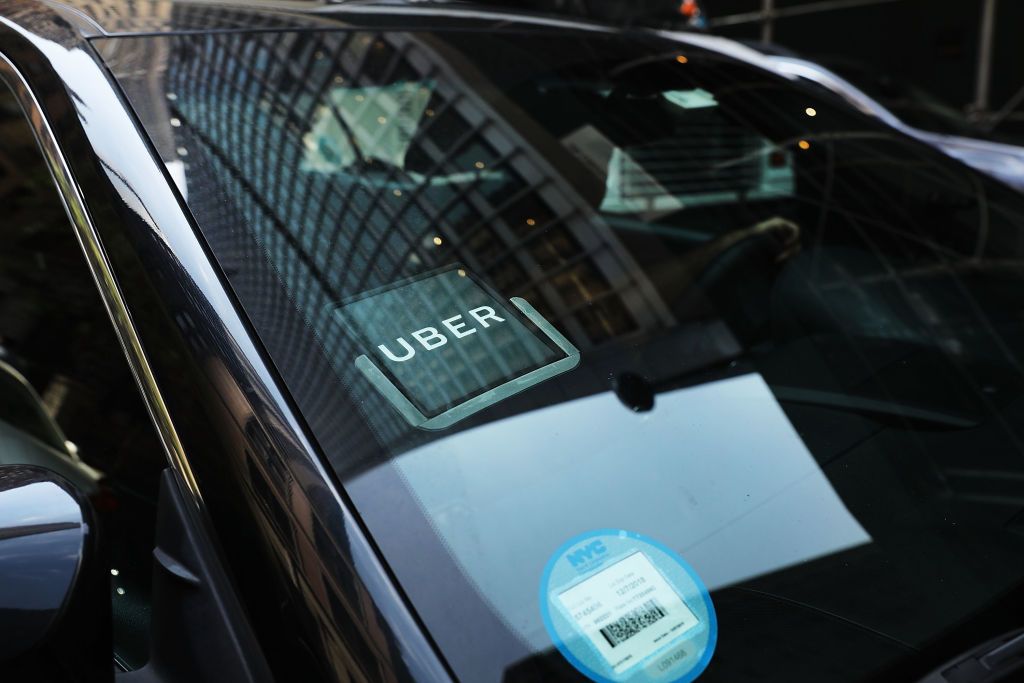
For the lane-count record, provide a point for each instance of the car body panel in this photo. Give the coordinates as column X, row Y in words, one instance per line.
column 323, row 603
column 321, row 599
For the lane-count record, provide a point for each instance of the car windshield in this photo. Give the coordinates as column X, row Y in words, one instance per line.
column 529, row 283
column 912, row 104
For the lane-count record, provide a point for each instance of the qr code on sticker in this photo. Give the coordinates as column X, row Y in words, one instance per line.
column 634, row 621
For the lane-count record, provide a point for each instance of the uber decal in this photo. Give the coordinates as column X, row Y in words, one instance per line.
column 443, row 347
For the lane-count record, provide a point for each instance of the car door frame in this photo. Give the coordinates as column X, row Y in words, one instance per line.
column 321, row 601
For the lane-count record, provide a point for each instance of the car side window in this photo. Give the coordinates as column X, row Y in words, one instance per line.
column 68, row 400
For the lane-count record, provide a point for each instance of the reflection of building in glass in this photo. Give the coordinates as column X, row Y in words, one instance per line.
column 358, row 160
column 125, row 15
column 443, row 178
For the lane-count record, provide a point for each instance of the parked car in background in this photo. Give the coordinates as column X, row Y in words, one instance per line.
column 931, row 122
column 437, row 342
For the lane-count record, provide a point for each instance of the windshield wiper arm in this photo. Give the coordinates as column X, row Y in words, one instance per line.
column 990, row 662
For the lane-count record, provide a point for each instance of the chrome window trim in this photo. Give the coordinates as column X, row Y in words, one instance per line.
column 99, row 267
column 371, row 615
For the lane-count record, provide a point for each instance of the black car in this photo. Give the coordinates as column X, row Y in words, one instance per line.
column 427, row 341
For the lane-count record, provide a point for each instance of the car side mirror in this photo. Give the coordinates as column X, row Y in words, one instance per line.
column 54, row 604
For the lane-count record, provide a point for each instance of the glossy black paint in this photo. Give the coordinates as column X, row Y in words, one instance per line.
column 42, row 539
column 51, row 622
column 321, row 602
column 320, row 599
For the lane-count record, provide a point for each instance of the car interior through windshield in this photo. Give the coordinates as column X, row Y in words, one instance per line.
column 798, row 333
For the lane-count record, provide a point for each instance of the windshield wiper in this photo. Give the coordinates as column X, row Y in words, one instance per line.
column 876, row 407
column 990, row 662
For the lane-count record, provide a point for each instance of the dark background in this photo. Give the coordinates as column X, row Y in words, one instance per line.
column 933, row 44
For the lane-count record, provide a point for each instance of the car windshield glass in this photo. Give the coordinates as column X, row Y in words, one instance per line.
column 527, row 284
column 913, row 105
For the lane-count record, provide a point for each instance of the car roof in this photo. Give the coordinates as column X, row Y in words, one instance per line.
column 107, row 18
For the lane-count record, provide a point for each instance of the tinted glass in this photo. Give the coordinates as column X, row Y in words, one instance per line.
column 798, row 331
column 62, row 372
column 21, row 408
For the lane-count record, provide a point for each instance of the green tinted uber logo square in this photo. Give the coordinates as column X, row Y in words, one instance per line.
column 443, row 347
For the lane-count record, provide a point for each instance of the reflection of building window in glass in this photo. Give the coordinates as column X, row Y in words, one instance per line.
column 580, row 284
column 703, row 159
column 374, row 122
column 606, row 319
column 485, row 246
column 507, row 275
column 555, row 247
column 529, row 213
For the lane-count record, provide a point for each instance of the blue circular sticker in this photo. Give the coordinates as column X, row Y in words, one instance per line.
column 623, row 607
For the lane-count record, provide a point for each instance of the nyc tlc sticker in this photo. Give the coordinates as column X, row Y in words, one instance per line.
column 621, row 608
